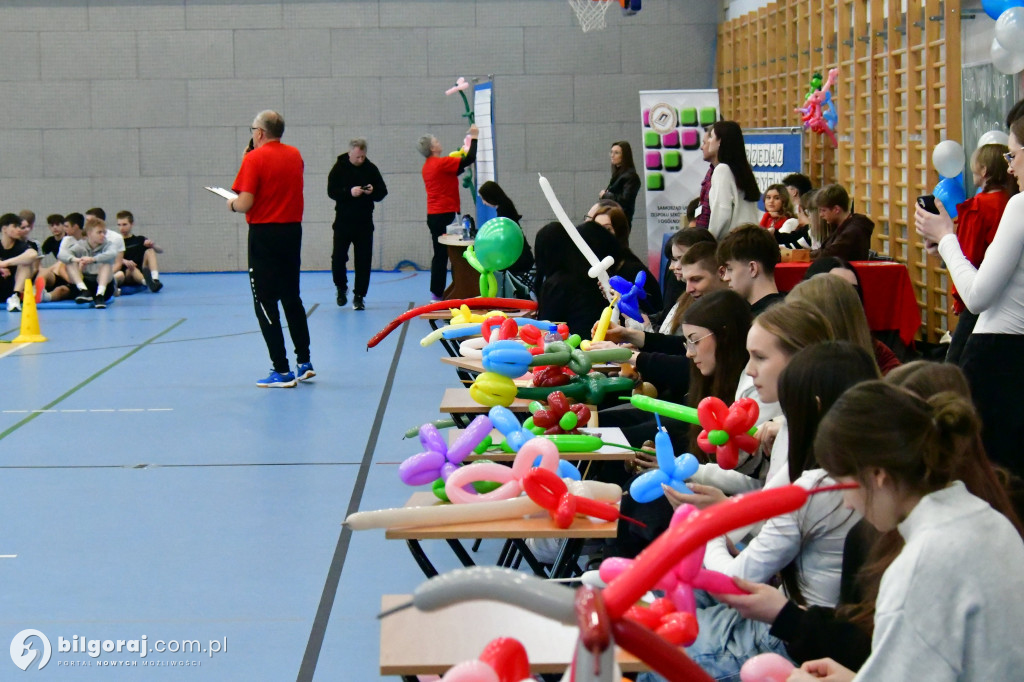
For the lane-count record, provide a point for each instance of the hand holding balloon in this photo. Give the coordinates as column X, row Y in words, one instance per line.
column 762, row 602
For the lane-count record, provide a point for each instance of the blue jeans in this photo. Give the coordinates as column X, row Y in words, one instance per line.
column 726, row 641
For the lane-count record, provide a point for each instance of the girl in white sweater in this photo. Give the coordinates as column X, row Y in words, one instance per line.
column 951, row 605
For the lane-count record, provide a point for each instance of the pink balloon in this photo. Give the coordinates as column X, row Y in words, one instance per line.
column 471, row 671
column 510, row 479
column 766, row 668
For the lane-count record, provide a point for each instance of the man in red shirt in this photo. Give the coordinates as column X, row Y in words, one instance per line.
column 269, row 188
column 441, row 179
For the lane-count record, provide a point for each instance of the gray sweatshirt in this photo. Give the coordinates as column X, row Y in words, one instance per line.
column 80, row 248
column 951, row 606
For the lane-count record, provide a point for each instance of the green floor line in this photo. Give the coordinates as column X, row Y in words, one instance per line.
column 89, row 380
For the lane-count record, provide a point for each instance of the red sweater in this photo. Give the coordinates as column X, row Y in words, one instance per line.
column 441, row 179
column 768, row 221
column 977, row 220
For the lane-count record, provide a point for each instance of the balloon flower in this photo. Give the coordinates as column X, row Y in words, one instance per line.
column 559, row 417
column 461, row 85
column 516, row 436
column 672, row 471
column 726, row 430
column 438, row 460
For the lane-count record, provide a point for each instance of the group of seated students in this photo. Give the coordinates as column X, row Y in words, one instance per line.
column 913, row 574
column 90, row 262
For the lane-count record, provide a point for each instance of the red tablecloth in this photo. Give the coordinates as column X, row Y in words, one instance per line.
column 889, row 299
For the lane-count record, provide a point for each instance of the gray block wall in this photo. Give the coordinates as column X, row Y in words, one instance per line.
column 137, row 104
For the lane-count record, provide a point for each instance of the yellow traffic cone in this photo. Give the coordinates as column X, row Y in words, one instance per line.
column 29, row 317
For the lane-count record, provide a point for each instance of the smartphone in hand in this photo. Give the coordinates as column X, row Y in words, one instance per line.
column 927, row 202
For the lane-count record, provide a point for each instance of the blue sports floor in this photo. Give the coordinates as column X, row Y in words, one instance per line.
column 149, row 489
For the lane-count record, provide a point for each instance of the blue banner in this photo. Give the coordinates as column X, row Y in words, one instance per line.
column 774, row 154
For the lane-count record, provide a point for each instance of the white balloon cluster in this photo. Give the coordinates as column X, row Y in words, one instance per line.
column 1007, row 50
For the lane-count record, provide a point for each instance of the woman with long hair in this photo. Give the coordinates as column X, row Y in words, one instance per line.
column 493, row 195
column 625, row 182
column 995, row 291
column 977, row 220
column 778, row 209
column 950, row 606
column 565, row 292
column 734, row 193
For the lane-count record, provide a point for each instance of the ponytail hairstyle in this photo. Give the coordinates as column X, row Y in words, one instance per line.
column 728, row 315
column 920, row 444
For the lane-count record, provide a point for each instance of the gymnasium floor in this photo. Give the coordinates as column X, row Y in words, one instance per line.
column 149, row 488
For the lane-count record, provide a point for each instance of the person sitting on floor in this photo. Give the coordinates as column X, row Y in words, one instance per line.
column 90, row 262
column 140, row 265
column 17, row 259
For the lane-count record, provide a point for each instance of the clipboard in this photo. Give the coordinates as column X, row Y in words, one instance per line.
column 221, row 192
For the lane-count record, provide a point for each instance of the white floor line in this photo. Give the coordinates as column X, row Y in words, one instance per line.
column 108, row 409
column 13, row 348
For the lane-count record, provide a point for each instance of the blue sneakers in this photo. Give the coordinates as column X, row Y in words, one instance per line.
column 278, row 380
column 305, row 371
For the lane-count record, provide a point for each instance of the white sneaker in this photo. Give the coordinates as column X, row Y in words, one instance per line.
column 13, row 304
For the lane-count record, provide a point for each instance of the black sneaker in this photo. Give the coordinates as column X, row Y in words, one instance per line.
column 154, row 285
column 83, row 297
column 357, row 303
column 342, row 297
column 100, row 302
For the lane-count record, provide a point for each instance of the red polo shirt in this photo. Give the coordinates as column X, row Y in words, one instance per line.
column 273, row 175
column 441, row 178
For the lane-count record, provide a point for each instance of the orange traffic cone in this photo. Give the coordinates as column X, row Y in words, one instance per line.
column 29, row 317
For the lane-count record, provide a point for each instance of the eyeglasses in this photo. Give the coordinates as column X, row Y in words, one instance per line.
column 588, row 218
column 1009, row 156
column 691, row 344
column 255, row 128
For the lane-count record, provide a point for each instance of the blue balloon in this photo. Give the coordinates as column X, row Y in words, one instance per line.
column 671, row 472
column 506, row 357
column 950, row 191
column 994, row 8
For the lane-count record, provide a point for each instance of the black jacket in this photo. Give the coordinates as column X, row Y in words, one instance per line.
column 344, row 176
column 624, row 189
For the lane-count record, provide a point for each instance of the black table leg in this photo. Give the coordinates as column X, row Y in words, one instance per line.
column 421, row 558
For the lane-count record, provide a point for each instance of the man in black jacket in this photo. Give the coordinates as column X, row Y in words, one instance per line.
column 355, row 184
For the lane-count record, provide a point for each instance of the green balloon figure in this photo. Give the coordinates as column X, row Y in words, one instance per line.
column 498, row 245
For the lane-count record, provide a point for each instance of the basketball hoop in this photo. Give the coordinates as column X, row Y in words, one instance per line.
column 590, row 13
